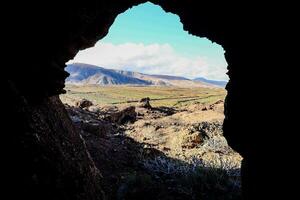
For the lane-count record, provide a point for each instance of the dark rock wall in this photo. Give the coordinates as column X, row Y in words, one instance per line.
column 49, row 158
column 46, row 157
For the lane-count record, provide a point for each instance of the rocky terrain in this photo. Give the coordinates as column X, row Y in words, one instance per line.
column 146, row 152
column 37, row 163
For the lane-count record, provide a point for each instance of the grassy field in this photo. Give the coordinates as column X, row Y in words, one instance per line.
column 160, row 96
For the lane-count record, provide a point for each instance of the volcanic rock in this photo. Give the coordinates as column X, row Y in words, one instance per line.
column 145, row 103
column 83, row 103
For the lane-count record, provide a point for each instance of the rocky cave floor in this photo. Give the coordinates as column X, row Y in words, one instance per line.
column 146, row 152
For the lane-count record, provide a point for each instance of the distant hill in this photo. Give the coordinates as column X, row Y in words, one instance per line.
column 167, row 77
column 213, row 82
column 81, row 73
column 89, row 74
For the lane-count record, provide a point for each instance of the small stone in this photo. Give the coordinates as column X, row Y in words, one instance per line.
column 93, row 109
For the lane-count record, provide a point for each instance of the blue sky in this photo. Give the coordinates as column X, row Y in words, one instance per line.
column 147, row 39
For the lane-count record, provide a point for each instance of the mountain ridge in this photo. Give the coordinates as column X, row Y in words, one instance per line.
column 213, row 82
column 81, row 74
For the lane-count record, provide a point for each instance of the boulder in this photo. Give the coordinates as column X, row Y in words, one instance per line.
column 145, row 103
column 126, row 115
column 98, row 128
column 83, row 103
column 94, row 109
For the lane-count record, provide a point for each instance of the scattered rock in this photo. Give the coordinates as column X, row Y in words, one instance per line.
column 75, row 119
column 147, row 123
column 126, row 115
column 145, row 103
column 94, row 128
column 219, row 102
column 209, row 129
column 217, row 106
column 93, row 109
column 140, row 114
column 117, row 146
column 83, row 103
column 204, row 108
column 166, row 149
column 191, row 140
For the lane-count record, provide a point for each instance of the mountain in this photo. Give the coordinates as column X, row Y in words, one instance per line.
column 167, row 77
column 213, row 82
column 81, row 73
column 89, row 74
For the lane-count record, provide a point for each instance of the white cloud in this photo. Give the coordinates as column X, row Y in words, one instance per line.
column 150, row 59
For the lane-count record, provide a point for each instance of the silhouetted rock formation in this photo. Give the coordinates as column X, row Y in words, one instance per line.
column 48, row 158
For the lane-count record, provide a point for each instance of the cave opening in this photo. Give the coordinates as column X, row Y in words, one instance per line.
column 155, row 100
column 46, row 157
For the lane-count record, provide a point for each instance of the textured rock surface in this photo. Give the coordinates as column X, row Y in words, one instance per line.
column 84, row 103
column 52, row 33
column 125, row 115
column 49, row 159
column 144, row 103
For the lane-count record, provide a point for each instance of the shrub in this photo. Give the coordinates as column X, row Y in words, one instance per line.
column 216, row 179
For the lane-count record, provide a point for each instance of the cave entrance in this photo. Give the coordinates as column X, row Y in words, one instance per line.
column 153, row 96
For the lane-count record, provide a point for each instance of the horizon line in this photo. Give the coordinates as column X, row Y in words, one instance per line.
column 226, row 81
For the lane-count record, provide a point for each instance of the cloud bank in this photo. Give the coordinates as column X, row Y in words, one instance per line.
column 150, row 59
